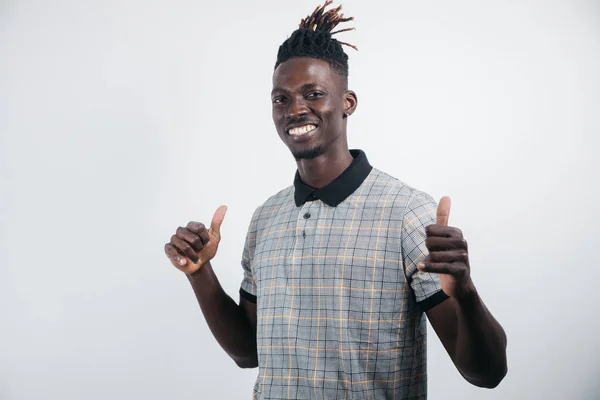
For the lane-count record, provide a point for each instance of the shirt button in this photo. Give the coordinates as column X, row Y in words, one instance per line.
column 307, row 215
column 304, row 234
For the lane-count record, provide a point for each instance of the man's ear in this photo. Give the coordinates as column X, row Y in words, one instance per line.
column 350, row 102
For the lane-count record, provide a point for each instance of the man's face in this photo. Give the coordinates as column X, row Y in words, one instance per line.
column 309, row 101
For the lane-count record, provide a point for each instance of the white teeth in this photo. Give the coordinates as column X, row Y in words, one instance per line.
column 301, row 130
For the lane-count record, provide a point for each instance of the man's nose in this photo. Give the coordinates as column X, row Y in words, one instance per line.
column 297, row 108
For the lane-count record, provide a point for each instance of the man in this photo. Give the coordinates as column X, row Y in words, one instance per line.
column 341, row 268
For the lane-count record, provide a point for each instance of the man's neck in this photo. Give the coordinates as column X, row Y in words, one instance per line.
column 322, row 170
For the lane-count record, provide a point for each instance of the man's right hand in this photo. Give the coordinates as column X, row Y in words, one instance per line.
column 194, row 246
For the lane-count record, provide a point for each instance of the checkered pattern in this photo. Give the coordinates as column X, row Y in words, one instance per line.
column 338, row 293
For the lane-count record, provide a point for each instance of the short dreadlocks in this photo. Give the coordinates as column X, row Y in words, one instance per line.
column 313, row 38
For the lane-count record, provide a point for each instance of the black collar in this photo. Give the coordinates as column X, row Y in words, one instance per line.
column 340, row 188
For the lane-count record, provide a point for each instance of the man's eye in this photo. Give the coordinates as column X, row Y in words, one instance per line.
column 278, row 100
column 313, row 95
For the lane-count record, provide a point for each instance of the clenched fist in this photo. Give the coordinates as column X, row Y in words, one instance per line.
column 193, row 246
column 448, row 254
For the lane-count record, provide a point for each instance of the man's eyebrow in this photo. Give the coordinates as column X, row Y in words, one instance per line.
column 304, row 87
column 308, row 86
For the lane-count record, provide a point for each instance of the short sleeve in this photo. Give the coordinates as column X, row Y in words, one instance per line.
column 420, row 212
column 248, row 286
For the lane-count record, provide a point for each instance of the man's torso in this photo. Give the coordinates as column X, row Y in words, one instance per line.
column 337, row 316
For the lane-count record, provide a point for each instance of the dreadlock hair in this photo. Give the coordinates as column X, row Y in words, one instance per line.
column 313, row 38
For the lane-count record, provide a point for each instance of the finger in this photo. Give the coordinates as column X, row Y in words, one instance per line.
column 204, row 236
column 456, row 270
column 434, row 243
column 443, row 211
column 190, row 237
column 184, row 248
column 217, row 220
column 449, row 256
column 173, row 255
column 443, row 231
column 199, row 229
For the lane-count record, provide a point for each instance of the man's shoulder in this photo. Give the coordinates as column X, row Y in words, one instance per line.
column 396, row 192
column 274, row 204
column 284, row 196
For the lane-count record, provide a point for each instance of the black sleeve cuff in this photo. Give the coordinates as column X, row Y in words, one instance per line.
column 433, row 301
column 247, row 296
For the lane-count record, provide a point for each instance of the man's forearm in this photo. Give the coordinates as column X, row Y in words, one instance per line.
column 480, row 343
column 226, row 319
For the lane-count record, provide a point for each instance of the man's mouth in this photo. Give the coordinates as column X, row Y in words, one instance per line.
column 302, row 130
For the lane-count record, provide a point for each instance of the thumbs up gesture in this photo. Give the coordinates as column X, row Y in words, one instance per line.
column 194, row 246
column 448, row 254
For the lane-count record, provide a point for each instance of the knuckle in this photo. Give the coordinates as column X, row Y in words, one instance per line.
column 195, row 226
column 174, row 238
column 197, row 243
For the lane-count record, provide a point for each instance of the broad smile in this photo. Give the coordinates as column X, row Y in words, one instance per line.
column 302, row 132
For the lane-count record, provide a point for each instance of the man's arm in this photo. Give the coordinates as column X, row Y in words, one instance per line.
column 473, row 338
column 233, row 325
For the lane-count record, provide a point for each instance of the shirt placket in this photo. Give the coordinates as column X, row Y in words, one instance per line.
column 306, row 223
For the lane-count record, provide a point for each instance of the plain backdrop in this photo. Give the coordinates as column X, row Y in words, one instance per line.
column 122, row 120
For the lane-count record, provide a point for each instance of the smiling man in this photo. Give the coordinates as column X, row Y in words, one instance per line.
column 341, row 268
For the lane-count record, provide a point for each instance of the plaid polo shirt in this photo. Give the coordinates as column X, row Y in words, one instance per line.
column 340, row 302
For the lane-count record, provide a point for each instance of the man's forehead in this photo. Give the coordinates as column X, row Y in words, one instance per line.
column 301, row 71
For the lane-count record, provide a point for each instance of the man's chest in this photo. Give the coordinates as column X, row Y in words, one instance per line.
column 324, row 274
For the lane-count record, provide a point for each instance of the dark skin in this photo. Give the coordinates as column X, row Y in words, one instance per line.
column 307, row 92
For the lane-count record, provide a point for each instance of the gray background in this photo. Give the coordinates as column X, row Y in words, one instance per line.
column 121, row 120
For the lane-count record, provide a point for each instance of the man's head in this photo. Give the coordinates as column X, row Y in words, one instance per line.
column 310, row 97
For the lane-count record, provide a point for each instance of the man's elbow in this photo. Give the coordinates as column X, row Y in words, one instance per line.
column 498, row 377
column 492, row 379
column 247, row 362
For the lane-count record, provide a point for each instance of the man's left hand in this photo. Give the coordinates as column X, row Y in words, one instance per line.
column 448, row 255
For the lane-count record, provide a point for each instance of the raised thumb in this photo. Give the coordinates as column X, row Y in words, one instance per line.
column 443, row 211
column 217, row 220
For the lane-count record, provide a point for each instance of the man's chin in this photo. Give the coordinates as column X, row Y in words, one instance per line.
column 307, row 154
